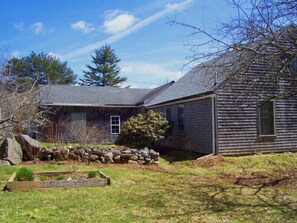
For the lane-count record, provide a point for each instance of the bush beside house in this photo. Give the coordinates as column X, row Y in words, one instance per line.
column 144, row 130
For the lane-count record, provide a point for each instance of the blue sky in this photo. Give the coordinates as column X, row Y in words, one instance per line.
column 152, row 51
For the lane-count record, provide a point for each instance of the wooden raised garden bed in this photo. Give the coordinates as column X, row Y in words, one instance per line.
column 59, row 179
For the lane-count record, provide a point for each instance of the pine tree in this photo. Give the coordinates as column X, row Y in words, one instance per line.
column 42, row 69
column 105, row 71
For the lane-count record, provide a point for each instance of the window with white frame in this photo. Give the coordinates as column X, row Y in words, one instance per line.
column 115, row 124
column 266, row 117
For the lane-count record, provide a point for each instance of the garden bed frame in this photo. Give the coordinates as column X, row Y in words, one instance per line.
column 100, row 181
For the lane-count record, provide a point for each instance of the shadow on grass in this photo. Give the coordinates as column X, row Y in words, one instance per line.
column 202, row 203
column 174, row 155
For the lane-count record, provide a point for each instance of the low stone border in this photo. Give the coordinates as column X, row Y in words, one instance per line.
column 99, row 155
column 100, row 181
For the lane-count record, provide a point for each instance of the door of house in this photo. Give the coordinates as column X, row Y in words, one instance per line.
column 78, row 125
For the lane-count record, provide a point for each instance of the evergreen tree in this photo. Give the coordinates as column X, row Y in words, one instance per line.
column 105, row 71
column 41, row 68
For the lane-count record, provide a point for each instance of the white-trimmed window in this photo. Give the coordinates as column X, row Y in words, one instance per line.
column 266, row 117
column 115, row 124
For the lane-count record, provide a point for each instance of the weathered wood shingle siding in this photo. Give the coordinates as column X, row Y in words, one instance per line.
column 198, row 131
column 99, row 116
column 237, row 115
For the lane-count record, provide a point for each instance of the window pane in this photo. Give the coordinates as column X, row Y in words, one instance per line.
column 168, row 114
column 267, row 119
column 181, row 119
column 115, row 129
column 115, row 124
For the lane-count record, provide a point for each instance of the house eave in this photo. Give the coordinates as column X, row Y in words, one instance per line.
column 90, row 105
column 209, row 94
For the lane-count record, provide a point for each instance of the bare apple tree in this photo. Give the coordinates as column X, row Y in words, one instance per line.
column 262, row 32
column 19, row 107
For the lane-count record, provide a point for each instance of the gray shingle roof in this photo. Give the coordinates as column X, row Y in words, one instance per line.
column 91, row 96
column 203, row 78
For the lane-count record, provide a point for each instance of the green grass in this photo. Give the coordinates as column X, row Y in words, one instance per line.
column 172, row 192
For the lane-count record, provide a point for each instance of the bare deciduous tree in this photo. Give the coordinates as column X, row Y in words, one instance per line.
column 18, row 104
column 262, row 32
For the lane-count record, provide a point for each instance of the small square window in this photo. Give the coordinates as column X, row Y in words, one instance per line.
column 115, row 124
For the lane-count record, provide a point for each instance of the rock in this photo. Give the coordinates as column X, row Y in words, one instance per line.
column 44, row 154
column 117, row 159
column 153, row 153
column 93, row 158
column 73, row 156
column 144, row 152
column 57, row 155
column 156, row 158
column 127, row 151
column 108, row 157
column 98, row 152
column 141, row 158
column 134, row 158
column 141, row 162
column 29, row 146
column 134, row 151
column 145, row 149
column 132, row 162
column 85, row 157
column 115, row 152
column 102, row 159
column 11, row 151
column 4, row 163
column 125, row 158
column 64, row 153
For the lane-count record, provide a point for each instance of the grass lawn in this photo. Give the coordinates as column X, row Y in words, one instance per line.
column 260, row 188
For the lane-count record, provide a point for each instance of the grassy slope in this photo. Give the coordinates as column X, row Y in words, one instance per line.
column 179, row 192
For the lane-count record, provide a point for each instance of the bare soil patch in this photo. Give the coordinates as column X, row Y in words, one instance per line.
column 210, row 161
column 265, row 179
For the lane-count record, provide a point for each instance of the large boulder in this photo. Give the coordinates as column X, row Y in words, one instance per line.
column 29, row 146
column 4, row 163
column 11, row 151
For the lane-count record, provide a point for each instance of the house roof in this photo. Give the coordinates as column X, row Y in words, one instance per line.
column 67, row 95
column 202, row 79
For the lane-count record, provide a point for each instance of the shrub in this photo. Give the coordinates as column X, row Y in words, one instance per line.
column 42, row 178
column 60, row 177
column 24, row 174
column 92, row 174
column 145, row 130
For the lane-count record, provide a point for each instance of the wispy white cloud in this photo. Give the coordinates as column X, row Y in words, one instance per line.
column 156, row 72
column 82, row 26
column 168, row 9
column 117, row 21
column 56, row 55
column 15, row 53
column 19, row 26
column 37, row 27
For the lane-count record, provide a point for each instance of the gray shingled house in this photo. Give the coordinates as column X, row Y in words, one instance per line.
column 77, row 109
column 211, row 110
column 231, row 116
